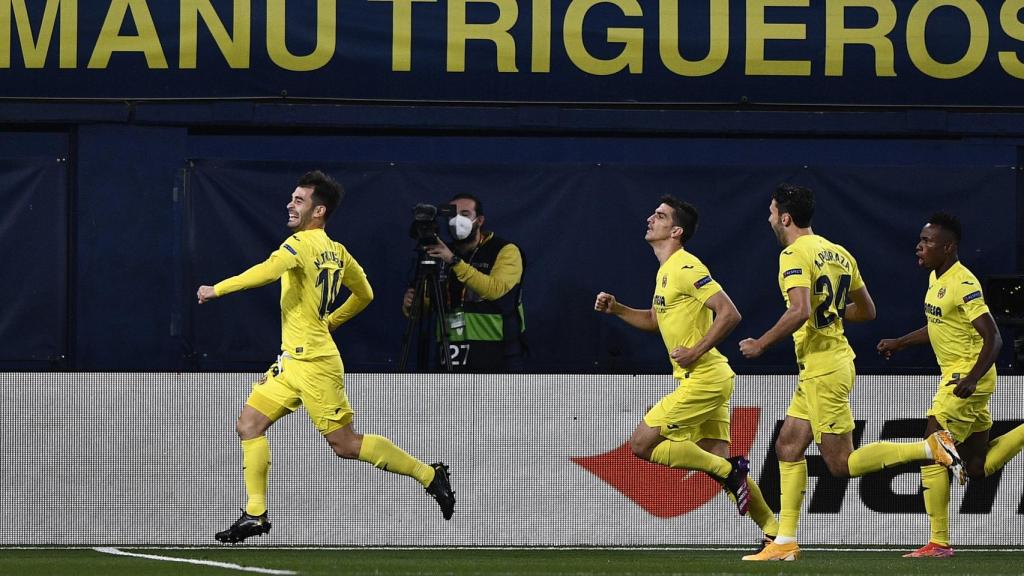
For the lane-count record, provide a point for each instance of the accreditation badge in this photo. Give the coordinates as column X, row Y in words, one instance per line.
column 457, row 322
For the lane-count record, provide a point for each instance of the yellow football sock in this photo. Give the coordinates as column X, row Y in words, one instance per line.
column 688, row 455
column 1002, row 449
column 879, row 455
column 256, row 471
column 935, row 479
column 759, row 511
column 383, row 454
column 792, row 485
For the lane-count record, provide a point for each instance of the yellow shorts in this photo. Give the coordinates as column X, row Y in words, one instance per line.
column 824, row 401
column 317, row 383
column 693, row 411
column 964, row 416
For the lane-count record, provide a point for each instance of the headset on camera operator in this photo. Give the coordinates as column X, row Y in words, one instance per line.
column 485, row 323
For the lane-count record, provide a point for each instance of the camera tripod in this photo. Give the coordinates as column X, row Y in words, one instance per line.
column 429, row 287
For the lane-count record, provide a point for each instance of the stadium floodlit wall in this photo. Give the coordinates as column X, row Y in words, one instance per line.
column 535, row 460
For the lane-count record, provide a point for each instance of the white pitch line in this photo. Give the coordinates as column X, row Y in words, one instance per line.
column 117, row 552
column 665, row 548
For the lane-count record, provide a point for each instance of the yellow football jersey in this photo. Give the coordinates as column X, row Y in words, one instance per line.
column 683, row 286
column 952, row 302
column 830, row 273
column 312, row 269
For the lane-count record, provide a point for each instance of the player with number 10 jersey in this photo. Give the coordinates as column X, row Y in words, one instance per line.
column 312, row 269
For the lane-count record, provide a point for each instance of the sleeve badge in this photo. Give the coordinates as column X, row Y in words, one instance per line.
column 972, row 296
column 702, row 282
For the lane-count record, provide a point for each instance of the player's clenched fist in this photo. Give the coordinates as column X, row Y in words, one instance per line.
column 887, row 346
column 605, row 303
column 205, row 294
column 751, row 348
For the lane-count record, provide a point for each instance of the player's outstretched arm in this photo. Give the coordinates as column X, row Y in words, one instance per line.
column 887, row 346
column 261, row 274
column 791, row 320
column 862, row 307
column 642, row 319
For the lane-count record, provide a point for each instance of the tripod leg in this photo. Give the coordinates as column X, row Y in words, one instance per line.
column 441, row 309
column 416, row 312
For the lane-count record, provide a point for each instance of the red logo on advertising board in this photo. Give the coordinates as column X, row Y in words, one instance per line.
column 662, row 491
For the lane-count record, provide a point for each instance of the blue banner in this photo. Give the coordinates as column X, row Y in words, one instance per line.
column 837, row 52
column 34, row 236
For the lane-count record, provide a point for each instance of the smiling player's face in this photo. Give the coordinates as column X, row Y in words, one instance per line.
column 300, row 209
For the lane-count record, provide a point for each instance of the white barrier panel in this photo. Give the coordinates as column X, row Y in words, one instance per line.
column 132, row 459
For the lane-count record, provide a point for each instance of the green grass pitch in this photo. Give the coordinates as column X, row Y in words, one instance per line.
column 619, row 562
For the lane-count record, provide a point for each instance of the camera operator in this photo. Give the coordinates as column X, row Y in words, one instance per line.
column 485, row 320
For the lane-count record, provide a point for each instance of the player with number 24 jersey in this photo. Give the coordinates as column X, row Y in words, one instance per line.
column 829, row 272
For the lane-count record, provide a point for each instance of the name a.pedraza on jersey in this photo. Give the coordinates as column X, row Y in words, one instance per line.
column 830, row 256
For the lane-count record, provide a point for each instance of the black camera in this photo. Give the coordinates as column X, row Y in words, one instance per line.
column 424, row 227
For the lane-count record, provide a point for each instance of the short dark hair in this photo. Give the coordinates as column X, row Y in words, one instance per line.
column 949, row 223
column 797, row 201
column 684, row 215
column 327, row 192
column 478, row 207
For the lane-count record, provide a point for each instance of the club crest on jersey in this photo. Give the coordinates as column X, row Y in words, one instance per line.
column 942, row 292
column 972, row 296
column 792, row 272
column 664, row 281
column 702, row 282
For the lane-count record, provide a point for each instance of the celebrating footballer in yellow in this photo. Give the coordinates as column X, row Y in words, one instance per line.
column 823, row 289
column 309, row 372
column 966, row 342
column 689, row 428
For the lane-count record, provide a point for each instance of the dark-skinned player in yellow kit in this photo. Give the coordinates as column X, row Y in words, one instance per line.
column 966, row 343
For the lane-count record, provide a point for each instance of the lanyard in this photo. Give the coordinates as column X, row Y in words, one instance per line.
column 462, row 298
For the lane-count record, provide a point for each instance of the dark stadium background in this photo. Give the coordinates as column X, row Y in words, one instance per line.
column 110, row 227
column 127, row 184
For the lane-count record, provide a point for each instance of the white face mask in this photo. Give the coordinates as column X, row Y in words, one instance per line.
column 460, row 226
